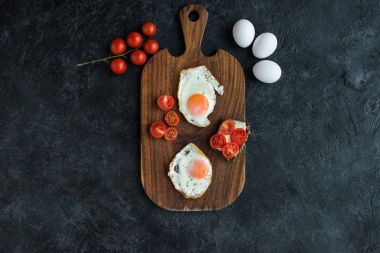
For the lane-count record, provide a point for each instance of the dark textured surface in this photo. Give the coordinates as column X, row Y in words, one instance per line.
column 69, row 138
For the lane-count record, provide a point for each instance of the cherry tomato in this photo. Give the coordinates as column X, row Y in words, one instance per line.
column 138, row 57
column 217, row 141
column 172, row 118
column 118, row 46
column 227, row 127
column 165, row 102
column 157, row 129
column 171, row 134
column 230, row 150
column 151, row 46
column 118, row 66
column 149, row 29
column 134, row 39
column 239, row 136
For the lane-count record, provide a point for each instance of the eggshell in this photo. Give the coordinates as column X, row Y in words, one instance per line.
column 264, row 45
column 267, row 71
column 243, row 33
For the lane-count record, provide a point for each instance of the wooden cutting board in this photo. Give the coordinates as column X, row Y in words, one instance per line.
column 161, row 76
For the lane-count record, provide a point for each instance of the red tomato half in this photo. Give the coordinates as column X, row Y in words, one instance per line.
column 165, row 102
column 230, row 150
column 239, row 136
column 171, row 134
column 157, row 129
column 172, row 118
column 217, row 141
column 227, row 127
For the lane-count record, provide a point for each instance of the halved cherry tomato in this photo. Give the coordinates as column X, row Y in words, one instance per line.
column 134, row 39
column 171, row 134
column 165, row 102
column 157, row 129
column 149, row 28
column 118, row 46
column 227, row 127
column 172, row 118
column 118, row 66
column 217, row 141
column 239, row 136
column 138, row 57
column 230, row 150
column 151, row 46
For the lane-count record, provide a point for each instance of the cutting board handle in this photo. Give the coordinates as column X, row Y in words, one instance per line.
column 193, row 30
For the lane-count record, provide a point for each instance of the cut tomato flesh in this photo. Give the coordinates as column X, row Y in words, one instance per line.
column 239, row 135
column 157, row 129
column 171, row 134
column 230, row 150
column 227, row 127
column 217, row 141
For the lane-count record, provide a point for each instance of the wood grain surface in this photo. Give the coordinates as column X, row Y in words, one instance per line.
column 161, row 76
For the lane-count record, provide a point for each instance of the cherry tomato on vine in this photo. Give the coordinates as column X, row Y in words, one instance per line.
column 118, row 66
column 149, row 29
column 151, row 46
column 118, row 46
column 138, row 57
column 134, row 39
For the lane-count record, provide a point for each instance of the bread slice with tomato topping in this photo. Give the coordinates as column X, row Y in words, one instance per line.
column 230, row 138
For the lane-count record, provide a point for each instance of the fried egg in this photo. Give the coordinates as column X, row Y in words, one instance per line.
column 190, row 172
column 196, row 95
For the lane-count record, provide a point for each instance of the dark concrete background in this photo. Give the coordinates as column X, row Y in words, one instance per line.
column 69, row 138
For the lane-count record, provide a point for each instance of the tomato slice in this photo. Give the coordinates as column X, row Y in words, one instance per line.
column 239, row 136
column 217, row 141
column 157, row 129
column 165, row 102
column 172, row 118
column 230, row 150
column 227, row 127
column 171, row 134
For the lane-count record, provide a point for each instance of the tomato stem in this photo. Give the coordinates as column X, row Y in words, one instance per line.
column 105, row 59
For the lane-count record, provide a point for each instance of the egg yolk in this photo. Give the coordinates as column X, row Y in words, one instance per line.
column 197, row 104
column 198, row 169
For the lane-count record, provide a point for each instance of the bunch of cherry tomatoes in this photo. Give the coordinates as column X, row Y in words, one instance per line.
column 158, row 129
column 135, row 41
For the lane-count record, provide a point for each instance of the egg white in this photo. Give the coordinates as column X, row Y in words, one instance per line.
column 198, row 80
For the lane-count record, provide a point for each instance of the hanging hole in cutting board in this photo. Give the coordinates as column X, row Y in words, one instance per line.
column 193, row 16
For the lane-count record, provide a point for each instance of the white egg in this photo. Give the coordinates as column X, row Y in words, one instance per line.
column 190, row 172
column 243, row 33
column 267, row 71
column 264, row 45
column 196, row 95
